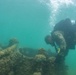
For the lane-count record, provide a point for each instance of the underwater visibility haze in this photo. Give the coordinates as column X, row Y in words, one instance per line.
column 31, row 20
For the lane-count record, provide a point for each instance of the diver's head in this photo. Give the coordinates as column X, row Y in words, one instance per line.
column 49, row 40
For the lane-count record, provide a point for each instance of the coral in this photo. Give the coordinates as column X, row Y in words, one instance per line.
column 37, row 73
column 14, row 62
column 52, row 59
column 40, row 57
column 39, row 62
column 6, row 61
column 30, row 52
column 13, row 41
column 42, row 51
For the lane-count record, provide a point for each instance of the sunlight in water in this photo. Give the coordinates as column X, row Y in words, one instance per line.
column 55, row 6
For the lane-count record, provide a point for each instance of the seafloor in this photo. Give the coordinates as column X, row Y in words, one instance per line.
column 27, row 61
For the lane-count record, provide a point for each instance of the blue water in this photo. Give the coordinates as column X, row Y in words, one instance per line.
column 31, row 20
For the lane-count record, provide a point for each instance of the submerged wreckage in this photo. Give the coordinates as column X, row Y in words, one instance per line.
column 27, row 61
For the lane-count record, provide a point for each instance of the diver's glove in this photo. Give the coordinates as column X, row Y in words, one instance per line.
column 58, row 50
column 61, row 52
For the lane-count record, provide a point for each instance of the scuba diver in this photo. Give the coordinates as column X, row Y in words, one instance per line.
column 63, row 38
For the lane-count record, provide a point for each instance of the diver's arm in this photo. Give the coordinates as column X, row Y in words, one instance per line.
column 58, row 36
